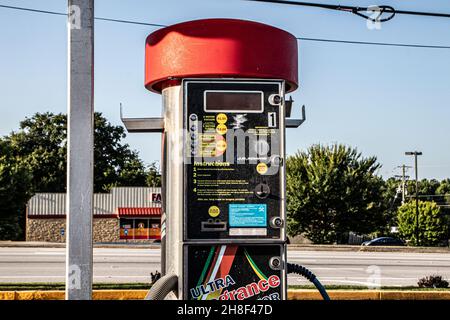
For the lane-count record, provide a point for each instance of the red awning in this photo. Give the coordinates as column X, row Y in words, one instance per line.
column 139, row 211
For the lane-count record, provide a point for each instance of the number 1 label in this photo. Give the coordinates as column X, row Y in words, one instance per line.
column 272, row 119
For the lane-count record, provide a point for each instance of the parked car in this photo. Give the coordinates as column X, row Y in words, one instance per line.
column 384, row 241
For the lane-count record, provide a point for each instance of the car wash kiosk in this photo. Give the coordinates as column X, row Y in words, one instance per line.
column 223, row 84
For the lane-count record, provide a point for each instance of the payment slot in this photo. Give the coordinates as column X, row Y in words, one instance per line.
column 234, row 153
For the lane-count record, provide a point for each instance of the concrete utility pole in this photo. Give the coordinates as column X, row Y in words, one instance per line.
column 415, row 154
column 80, row 150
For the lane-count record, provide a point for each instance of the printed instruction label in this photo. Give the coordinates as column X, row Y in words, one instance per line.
column 248, row 215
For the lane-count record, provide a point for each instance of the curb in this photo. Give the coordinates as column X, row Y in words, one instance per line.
column 60, row 295
column 298, row 294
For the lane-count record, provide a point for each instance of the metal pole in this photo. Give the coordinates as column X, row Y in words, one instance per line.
column 415, row 154
column 417, row 199
column 80, row 149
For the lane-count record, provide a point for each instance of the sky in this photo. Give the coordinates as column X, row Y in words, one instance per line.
column 382, row 100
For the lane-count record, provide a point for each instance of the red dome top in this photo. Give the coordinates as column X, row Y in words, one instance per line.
column 220, row 48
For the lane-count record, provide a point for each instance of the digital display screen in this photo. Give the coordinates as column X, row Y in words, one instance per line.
column 234, row 101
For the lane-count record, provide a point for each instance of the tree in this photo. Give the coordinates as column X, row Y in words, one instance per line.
column 392, row 199
column 15, row 185
column 42, row 143
column 444, row 187
column 426, row 187
column 153, row 176
column 433, row 226
column 332, row 190
column 114, row 163
column 33, row 159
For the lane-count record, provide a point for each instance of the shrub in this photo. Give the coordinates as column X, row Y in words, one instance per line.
column 433, row 281
column 432, row 223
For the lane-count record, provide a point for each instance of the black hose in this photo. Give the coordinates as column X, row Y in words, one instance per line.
column 301, row 270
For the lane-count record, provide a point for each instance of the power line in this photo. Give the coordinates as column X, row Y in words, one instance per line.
column 357, row 10
column 351, row 9
column 376, row 43
column 298, row 38
column 131, row 22
column 33, row 10
column 96, row 18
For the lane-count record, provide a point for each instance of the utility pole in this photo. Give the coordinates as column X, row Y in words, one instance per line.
column 403, row 184
column 415, row 154
column 403, row 177
column 80, row 149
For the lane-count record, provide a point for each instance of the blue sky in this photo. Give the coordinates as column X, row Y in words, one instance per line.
column 382, row 100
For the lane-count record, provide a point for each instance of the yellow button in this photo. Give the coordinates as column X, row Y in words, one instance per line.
column 261, row 168
column 221, row 118
column 221, row 146
column 213, row 211
column 221, row 129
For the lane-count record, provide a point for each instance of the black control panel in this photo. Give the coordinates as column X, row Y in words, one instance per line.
column 233, row 162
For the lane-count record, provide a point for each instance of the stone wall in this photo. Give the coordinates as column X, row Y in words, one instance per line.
column 106, row 230
column 49, row 230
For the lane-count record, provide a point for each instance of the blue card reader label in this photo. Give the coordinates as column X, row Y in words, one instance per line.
column 248, row 215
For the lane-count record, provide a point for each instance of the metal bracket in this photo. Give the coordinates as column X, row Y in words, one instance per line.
column 295, row 123
column 142, row 124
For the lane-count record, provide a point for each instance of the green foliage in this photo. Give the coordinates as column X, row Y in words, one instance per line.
column 433, row 226
column 426, row 187
column 11, row 228
column 391, row 201
column 153, row 176
column 433, row 281
column 444, row 187
column 115, row 164
column 332, row 190
column 15, row 183
column 42, row 143
column 33, row 159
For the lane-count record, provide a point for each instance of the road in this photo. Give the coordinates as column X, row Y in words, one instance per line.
column 121, row 265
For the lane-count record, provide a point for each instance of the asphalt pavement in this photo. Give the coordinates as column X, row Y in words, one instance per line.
column 125, row 265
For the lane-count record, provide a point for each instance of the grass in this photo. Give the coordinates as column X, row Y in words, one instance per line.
column 349, row 287
column 61, row 286
column 146, row 286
